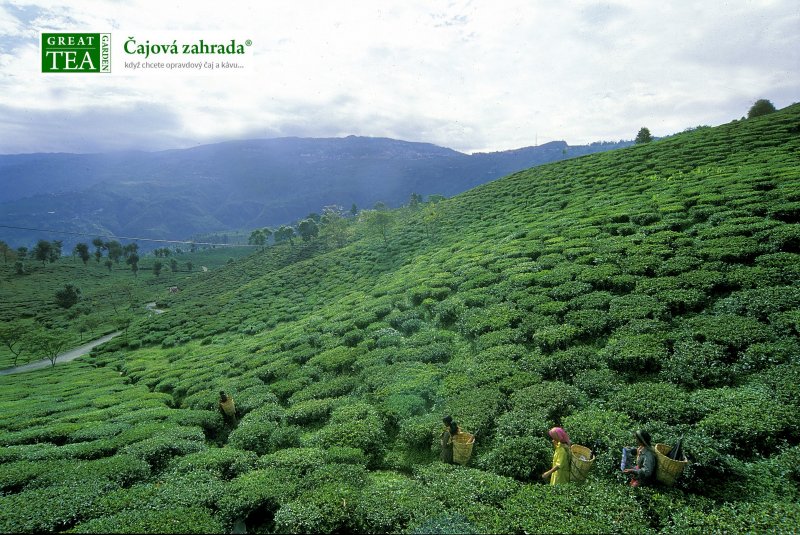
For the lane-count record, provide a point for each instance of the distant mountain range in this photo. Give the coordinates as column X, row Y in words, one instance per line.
column 176, row 194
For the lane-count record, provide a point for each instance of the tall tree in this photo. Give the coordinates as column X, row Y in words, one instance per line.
column 12, row 336
column 48, row 343
column 285, row 232
column 133, row 261
column 68, row 296
column 761, row 107
column 257, row 238
column 99, row 246
column 41, row 251
column 378, row 222
column 643, row 136
column 157, row 265
column 130, row 249
column 82, row 250
column 115, row 251
column 334, row 226
column 6, row 251
column 308, row 229
column 55, row 250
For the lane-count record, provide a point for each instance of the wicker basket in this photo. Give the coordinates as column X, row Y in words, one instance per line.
column 668, row 470
column 580, row 463
column 462, row 447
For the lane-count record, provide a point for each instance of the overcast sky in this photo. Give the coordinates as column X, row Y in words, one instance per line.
column 479, row 75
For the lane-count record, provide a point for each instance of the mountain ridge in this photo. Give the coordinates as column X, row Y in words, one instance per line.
column 241, row 184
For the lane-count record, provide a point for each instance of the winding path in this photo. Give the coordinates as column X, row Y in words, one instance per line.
column 63, row 357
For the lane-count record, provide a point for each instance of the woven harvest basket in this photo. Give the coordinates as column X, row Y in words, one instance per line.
column 668, row 470
column 462, row 447
column 580, row 463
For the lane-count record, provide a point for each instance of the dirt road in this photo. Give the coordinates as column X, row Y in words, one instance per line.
column 63, row 357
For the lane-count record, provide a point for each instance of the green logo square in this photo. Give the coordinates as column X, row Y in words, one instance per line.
column 76, row 52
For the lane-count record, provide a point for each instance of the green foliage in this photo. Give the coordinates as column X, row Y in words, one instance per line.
column 355, row 425
column 523, row 458
column 177, row 520
column 595, row 509
column 761, row 107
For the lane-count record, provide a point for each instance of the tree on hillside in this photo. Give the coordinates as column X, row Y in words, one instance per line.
column 285, row 232
column 68, row 296
column 334, row 226
column 90, row 323
column 22, row 253
column 55, row 250
column 157, row 265
column 378, row 222
column 115, row 251
column 257, row 237
column 123, row 322
column 761, row 107
column 82, row 250
column 133, row 261
column 308, row 229
column 430, row 219
column 189, row 266
column 415, row 200
column 48, row 343
column 643, row 136
column 6, row 251
column 41, row 251
column 99, row 246
column 130, row 249
column 12, row 336
column 354, row 209
column 173, row 265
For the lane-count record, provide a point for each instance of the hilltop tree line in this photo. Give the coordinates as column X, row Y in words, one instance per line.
column 759, row 108
column 335, row 224
column 49, row 251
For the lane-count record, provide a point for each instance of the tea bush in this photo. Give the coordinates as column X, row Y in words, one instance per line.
column 695, row 364
column 597, row 508
column 355, row 425
column 180, row 519
column 645, row 401
column 522, row 458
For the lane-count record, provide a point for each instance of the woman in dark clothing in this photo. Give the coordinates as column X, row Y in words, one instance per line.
column 446, row 439
column 645, row 471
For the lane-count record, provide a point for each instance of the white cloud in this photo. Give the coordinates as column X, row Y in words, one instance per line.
column 471, row 75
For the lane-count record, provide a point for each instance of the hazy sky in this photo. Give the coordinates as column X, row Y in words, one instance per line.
column 477, row 75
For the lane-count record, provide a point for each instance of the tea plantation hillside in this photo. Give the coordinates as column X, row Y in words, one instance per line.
column 652, row 287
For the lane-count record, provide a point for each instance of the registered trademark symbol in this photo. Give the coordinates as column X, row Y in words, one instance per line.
column 248, row 42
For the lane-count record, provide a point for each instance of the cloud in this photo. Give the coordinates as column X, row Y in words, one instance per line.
column 471, row 75
column 90, row 129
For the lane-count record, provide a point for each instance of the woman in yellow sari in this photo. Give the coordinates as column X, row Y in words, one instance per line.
column 559, row 473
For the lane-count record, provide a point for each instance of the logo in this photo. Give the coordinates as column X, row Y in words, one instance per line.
column 76, row 52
